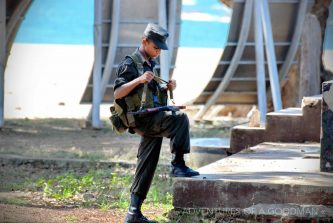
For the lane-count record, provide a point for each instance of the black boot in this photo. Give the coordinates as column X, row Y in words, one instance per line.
column 134, row 214
column 179, row 169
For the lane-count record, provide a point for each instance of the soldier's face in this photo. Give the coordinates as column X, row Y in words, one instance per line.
column 151, row 49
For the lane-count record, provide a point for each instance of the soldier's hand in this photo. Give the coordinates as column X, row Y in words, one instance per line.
column 146, row 77
column 172, row 85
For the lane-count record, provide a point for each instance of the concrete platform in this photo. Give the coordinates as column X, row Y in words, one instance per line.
column 269, row 173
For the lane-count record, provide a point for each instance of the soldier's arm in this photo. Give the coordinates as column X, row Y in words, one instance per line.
column 125, row 89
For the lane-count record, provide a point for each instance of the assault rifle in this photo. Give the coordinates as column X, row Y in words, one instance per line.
column 172, row 108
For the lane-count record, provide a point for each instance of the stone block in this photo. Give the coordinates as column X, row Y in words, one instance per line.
column 241, row 194
column 311, row 107
column 243, row 137
column 326, row 154
column 285, row 126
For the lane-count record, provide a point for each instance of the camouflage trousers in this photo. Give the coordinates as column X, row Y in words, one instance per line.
column 152, row 129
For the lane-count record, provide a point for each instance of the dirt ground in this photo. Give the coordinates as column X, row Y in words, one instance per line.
column 24, row 214
column 68, row 139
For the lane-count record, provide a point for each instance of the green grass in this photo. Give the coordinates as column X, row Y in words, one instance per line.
column 104, row 189
column 71, row 218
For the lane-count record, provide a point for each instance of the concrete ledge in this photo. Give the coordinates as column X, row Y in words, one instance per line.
column 290, row 213
column 287, row 112
column 209, row 193
column 270, row 173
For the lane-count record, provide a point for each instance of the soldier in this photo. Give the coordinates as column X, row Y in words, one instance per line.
column 133, row 73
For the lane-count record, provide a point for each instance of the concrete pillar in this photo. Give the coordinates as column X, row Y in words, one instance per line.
column 97, row 72
column 326, row 154
column 3, row 54
column 310, row 57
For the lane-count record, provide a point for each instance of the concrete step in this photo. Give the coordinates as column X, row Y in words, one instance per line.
column 243, row 136
column 269, row 173
column 287, row 125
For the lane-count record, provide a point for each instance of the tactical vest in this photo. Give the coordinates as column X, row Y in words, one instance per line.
column 143, row 98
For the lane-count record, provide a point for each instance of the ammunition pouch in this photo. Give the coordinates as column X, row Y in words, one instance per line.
column 118, row 119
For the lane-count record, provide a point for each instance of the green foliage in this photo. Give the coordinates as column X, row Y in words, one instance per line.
column 67, row 186
column 104, row 189
column 160, row 190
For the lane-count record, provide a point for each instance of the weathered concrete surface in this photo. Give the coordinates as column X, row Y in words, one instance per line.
column 292, row 211
column 286, row 125
column 270, row 173
column 326, row 161
column 310, row 57
column 311, row 107
column 207, row 150
column 287, row 213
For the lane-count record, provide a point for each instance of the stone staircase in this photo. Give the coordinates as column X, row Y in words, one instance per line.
column 287, row 125
column 269, row 174
column 276, row 166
